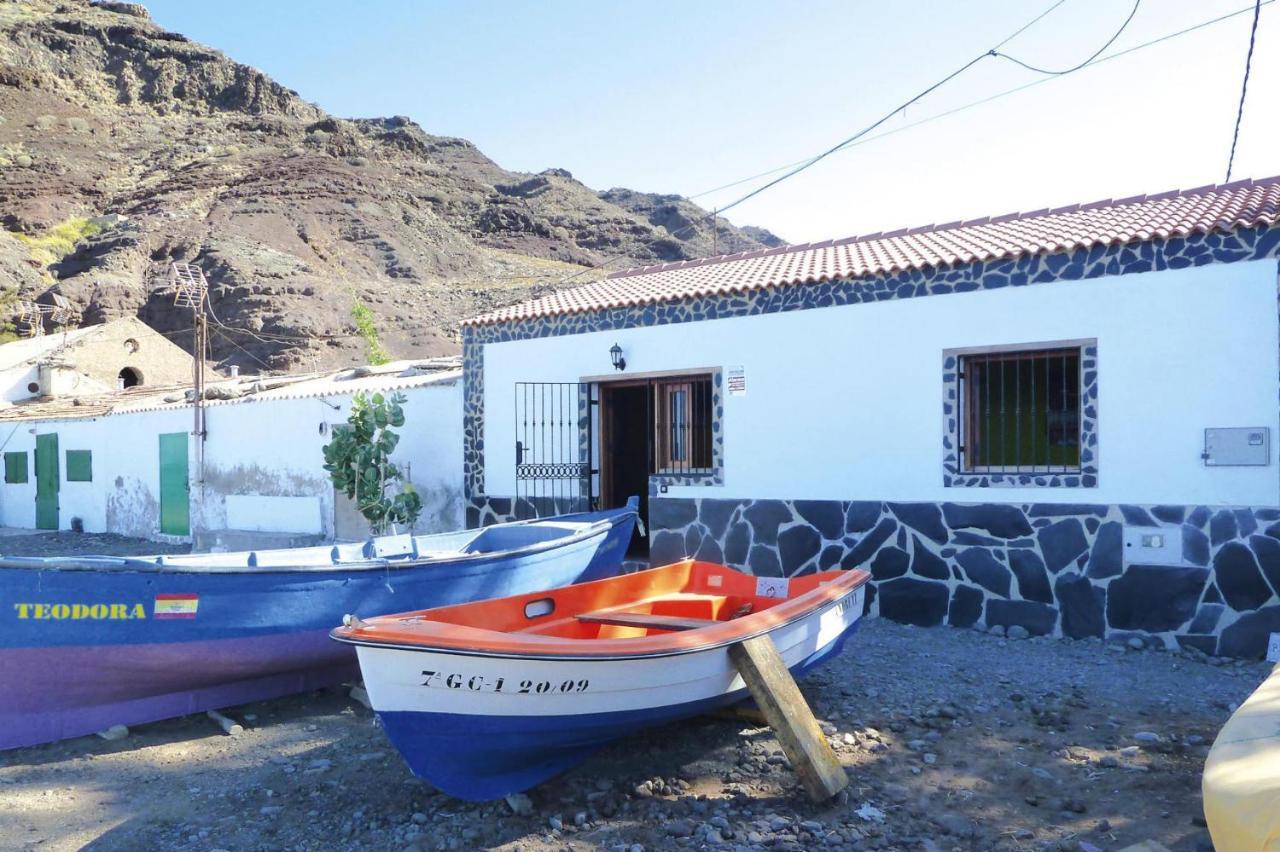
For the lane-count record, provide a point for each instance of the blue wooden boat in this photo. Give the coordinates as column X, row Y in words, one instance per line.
column 90, row 642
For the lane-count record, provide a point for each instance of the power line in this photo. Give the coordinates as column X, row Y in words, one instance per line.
column 988, row 99
column 1095, row 55
column 1244, row 87
column 993, row 52
column 1028, row 25
column 802, row 165
column 218, row 331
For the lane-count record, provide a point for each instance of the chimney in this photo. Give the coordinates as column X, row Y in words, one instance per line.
column 235, row 371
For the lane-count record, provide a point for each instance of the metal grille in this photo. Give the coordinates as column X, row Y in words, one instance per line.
column 553, row 448
column 681, row 413
column 1020, row 411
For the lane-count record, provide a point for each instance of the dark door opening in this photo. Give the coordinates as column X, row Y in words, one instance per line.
column 624, row 452
column 655, row 426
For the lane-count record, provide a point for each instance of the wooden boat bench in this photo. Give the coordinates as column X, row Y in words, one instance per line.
column 646, row 620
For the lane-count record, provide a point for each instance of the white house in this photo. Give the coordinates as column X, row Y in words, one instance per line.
column 128, row 462
column 1062, row 421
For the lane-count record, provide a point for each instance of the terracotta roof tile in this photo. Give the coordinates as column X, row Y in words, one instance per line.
column 1242, row 204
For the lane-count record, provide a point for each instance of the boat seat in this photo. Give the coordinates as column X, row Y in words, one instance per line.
column 647, row 620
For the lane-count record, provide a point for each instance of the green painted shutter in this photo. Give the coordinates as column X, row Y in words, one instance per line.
column 15, row 467
column 175, row 506
column 79, row 466
column 47, row 481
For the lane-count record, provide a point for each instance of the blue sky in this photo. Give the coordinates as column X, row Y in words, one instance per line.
column 685, row 96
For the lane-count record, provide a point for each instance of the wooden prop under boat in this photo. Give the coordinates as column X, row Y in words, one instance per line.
column 490, row 698
column 92, row 642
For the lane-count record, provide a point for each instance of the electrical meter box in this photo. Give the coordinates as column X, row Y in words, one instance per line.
column 1237, row 446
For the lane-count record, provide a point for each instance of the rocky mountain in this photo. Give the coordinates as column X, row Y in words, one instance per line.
column 124, row 147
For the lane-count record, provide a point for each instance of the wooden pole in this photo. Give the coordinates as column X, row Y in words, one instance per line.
column 231, row 726
column 784, row 707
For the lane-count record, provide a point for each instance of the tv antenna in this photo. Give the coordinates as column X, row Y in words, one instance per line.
column 191, row 290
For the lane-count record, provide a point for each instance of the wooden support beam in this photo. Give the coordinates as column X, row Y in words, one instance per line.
column 231, row 726
column 358, row 693
column 777, row 695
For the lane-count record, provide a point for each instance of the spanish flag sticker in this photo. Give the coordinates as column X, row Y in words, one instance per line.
column 177, row 606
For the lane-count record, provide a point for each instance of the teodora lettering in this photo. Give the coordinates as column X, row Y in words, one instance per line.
column 511, row 685
column 79, row 611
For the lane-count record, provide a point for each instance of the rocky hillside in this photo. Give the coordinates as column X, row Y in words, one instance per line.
column 124, row 147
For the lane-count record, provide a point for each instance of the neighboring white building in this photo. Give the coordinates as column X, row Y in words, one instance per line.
column 126, row 462
column 1062, row 421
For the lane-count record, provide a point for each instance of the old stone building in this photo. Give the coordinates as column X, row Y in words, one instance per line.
column 123, row 353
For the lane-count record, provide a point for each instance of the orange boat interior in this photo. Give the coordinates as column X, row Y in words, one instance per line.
column 654, row 604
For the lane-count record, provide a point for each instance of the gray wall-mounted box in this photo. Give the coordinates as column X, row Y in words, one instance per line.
column 1152, row 545
column 1236, row 446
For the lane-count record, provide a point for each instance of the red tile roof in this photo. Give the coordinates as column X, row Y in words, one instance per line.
column 1243, row 204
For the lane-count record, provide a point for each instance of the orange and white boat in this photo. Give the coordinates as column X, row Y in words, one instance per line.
column 490, row 698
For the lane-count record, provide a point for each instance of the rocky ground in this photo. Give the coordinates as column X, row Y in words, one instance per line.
column 952, row 739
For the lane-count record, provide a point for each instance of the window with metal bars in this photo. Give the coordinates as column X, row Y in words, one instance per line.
column 682, row 425
column 1020, row 411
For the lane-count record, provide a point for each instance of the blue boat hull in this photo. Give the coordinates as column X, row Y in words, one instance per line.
column 82, row 650
column 480, row 758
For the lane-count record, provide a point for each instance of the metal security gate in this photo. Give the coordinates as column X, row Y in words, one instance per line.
column 553, row 449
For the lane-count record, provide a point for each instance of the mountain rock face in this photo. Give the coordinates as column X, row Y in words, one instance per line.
column 124, row 147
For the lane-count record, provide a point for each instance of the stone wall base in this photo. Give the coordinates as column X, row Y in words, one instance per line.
column 1051, row 569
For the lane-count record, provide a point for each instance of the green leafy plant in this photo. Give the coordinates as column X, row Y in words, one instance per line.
column 358, row 459
column 367, row 328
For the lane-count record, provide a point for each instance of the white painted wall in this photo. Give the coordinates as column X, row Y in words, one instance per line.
column 265, row 455
column 126, row 470
column 15, row 383
column 846, row 403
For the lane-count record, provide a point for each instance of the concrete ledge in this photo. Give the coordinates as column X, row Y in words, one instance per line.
column 1242, row 775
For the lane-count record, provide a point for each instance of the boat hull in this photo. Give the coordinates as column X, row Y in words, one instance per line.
column 472, row 741
column 84, row 649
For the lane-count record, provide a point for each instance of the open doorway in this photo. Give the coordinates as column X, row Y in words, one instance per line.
column 624, row 452
column 658, row 425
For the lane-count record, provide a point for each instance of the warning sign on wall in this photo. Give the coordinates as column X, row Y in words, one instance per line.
column 736, row 381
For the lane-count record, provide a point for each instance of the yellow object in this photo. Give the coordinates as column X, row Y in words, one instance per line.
column 1242, row 775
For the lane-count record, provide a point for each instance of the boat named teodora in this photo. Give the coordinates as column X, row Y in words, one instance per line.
column 489, row 698
column 91, row 642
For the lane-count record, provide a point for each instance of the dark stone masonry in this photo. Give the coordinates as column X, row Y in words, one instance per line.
column 1052, row 570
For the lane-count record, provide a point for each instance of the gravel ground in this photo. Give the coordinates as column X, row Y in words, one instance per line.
column 66, row 543
column 953, row 739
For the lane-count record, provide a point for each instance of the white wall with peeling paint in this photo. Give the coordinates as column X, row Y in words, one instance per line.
column 261, row 450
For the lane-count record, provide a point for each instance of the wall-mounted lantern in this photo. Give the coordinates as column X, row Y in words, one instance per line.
column 615, row 355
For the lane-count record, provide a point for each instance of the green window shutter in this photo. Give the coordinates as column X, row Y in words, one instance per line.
column 15, row 467
column 79, row 466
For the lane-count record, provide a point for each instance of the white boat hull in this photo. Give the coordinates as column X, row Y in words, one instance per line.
column 479, row 727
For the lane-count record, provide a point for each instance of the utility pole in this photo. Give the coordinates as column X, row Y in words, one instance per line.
column 191, row 290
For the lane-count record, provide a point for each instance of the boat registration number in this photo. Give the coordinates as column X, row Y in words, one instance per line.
column 480, row 683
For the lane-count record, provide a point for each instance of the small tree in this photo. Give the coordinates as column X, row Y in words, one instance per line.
column 358, row 459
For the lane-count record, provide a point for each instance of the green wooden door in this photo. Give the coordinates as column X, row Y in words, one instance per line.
column 175, row 506
column 47, row 482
